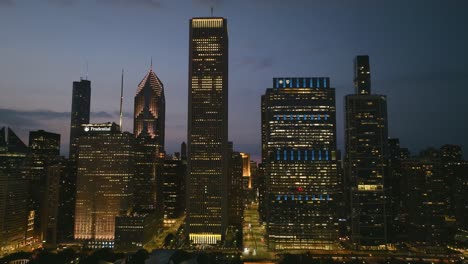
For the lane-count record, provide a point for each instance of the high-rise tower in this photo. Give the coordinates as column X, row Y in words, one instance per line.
column 366, row 136
column 207, row 130
column 148, row 127
column 299, row 152
column 105, row 171
column 150, row 110
column 81, row 103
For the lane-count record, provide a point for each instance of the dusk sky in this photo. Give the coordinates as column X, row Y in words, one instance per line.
column 418, row 52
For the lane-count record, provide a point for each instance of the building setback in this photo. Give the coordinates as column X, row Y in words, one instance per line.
column 299, row 153
column 366, row 136
column 105, row 170
column 208, row 158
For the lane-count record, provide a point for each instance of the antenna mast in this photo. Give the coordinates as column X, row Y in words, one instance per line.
column 121, row 100
column 86, row 69
column 212, row 11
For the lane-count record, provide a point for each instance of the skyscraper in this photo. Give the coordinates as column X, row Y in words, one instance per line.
column 44, row 151
column 148, row 128
column 300, row 157
column 105, row 170
column 81, row 103
column 208, row 158
column 150, row 110
column 13, row 191
column 366, row 136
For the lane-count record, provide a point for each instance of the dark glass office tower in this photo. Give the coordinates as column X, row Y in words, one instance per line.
column 105, row 171
column 301, row 177
column 207, row 130
column 13, row 192
column 81, row 102
column 148, row 128
column 44, row 150
column 366, row 136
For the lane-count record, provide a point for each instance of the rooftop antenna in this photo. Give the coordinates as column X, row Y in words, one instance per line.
column 212, row 11
column 121, row 100
column 86, row 69
column 151, row 65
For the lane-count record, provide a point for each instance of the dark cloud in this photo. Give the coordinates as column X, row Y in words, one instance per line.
column 129, row 3
column 211, row 3
column 255, row 64
column 63, row 3
column 7, row 3
column 432, row 76
column 33, row 118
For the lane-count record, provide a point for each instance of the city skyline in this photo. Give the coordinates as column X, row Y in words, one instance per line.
column 406, row 57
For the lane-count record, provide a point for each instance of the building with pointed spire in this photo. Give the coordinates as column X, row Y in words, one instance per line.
column 150, row 110
column 148, row 128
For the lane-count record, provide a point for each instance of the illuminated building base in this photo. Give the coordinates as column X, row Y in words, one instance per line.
column 291, row 243
column 205, row 239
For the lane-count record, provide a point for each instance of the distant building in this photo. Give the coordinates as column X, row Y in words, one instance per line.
column 13, row 192
column 300, row 157
column 208, row 158
column 366, row 135
column 105, row 170
column 80, row 110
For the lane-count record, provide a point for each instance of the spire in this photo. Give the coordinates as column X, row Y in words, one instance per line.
column 121, row 100
column 151, row 65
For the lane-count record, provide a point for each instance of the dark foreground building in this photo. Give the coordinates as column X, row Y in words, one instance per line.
column 299, row 152
column 366, row 135
column 13, row 191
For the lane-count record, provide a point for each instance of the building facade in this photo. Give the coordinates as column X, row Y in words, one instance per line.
column 105, row 170
column 13, row 192
column 208, row 158
column 173, row 189
column 366, row 135
column 300, row 157
column 44, row 149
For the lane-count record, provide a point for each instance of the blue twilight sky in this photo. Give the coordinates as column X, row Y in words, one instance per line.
column 418, row 51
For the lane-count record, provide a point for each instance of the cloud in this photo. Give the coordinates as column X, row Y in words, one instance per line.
column 63, row 3
column 34, row 118
column 208, row 2
column 256, row 64
column 7, row 3
column 130, row 3
column 433, row 76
